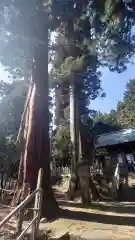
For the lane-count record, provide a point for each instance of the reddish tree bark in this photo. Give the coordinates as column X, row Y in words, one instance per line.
column 36, row 143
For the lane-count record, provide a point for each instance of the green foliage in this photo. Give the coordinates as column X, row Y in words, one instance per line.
column 88, row 32
column 61, row 142
column 123, row 117
column 109, row 118
column 83, row 28
column 105, row 122
column 19, row 33
column 126, row 109
column 12, row 100
column 92, row 34
column 13, row 97
column 3, row 147
column 91, row 29
column 9, row 154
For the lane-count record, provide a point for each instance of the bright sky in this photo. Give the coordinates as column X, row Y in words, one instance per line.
column 113, row 84
column 3, row 74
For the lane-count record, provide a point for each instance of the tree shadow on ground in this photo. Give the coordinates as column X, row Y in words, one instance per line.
column 58, row 194
column 124, row 205
column 111, row 207
column 98, row 218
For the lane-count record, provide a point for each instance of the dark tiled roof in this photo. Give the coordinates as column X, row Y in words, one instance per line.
column 114, row 138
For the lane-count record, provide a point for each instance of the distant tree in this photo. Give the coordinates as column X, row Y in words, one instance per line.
column 106, row 122
column 13, row 97
column 122, row 117
column 61, row 144
column 126, row 108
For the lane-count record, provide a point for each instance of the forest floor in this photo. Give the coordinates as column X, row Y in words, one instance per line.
column 101, row 220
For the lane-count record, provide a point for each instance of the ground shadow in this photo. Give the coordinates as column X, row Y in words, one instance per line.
column 111, row 207
column 98, row 218
column 58, row 194
column 125, row 205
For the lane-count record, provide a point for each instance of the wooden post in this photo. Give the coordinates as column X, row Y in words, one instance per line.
column 37, row 205
column 19, row 221
column 21, row 212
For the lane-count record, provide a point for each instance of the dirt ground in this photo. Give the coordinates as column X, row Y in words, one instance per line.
column 100, row 220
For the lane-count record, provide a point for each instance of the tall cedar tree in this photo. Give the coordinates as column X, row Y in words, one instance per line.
column 25, row 29
column 100, row 33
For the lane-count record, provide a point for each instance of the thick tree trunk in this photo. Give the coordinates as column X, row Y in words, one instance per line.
column 2, row 179
column 57, row 107
column 61, row 102
column 74, row 133
column 42, row 144
column 84, row 153
column 36, row 152
column 75, row 142
column 88, row 151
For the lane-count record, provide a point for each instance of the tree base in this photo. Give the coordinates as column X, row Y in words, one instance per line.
column 82, row 180
column 50, row 209
column 73, row 187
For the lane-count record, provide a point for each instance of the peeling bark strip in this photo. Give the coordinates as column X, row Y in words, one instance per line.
column 23, row 176
column 29, row 140
column 20, row 133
